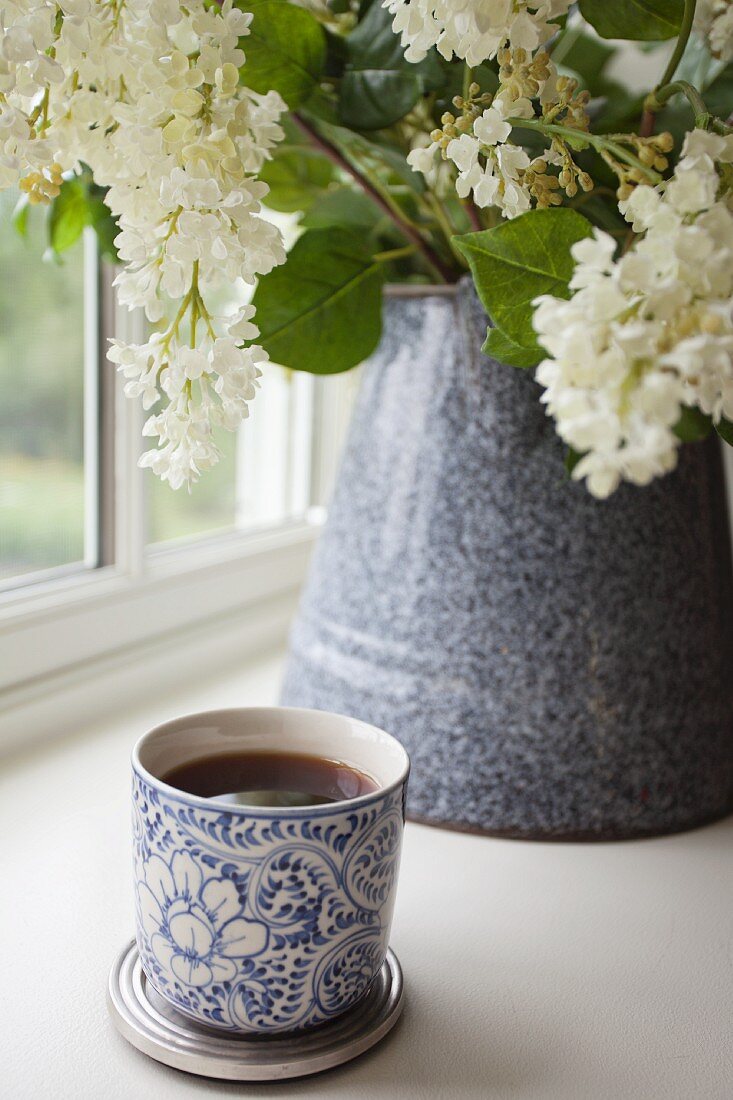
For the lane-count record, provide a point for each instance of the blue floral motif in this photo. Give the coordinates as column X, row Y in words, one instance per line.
column 194, row 925
column 256, row 922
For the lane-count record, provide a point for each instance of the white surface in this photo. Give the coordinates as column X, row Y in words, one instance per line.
column 600, row 972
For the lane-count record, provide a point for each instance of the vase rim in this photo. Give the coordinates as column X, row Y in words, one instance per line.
column 421, row 290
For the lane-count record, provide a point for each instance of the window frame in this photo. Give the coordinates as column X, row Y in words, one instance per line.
column 131, row 595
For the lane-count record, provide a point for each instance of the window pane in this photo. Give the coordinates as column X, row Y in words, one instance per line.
column 263, row 478
column 207, row 509
column 210, row 505
column 41, row 400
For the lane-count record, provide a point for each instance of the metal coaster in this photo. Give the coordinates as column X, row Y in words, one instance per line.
column 147, row 1021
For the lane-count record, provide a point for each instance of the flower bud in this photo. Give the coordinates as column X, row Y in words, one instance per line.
column 711, row 323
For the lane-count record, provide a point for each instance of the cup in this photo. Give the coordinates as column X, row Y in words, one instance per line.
column 261, row 920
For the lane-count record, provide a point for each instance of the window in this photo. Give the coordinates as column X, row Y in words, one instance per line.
column 97, row 556
column 43, row 512
column 263, row 478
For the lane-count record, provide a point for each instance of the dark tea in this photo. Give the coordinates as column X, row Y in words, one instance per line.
column 270, row 779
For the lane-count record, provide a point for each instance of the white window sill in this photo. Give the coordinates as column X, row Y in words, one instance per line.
column 92, row 643
column 533, row 971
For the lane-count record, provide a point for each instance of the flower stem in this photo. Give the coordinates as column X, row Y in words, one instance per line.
column 656, row 100
column 445, row 273
column 194, row 301
column 374, row 181
column 173, row 329
column 688, row 17
column 447, row 229
column 394, row 254
column 650, row 107
column 597, row 141
column 472, row 211
column 40, row 111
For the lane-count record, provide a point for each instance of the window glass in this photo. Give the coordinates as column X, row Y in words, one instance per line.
column 263, row 476
column 41, row 400
column 208, row 508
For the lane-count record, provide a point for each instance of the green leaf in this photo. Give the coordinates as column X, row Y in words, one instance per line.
column 321, row 311
column 322, row 112
column 616, row 109
column 342, row 207
column 395, row 161
column 371, row 100
column 585, row 56
column 519, row 260
column 285, row 50
column 500, row 347
column 693, row 425
column 379, row 86
column 68, row 216
column 639, row 20
column 20, row 216
column 572, row 458
column 603, row 212
column 485, row 75
column 336, row 55
column 104, row 223
column 295, row 177
column 724, row 428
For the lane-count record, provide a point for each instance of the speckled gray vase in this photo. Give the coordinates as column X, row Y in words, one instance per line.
column 556, row 666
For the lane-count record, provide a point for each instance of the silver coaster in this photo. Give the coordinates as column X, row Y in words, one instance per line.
column 147, row 1021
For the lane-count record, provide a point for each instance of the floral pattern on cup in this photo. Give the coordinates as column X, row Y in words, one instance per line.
column 194, row 925
column 257, row 922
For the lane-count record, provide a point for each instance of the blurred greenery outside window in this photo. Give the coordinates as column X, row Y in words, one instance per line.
column 252, row 485
column 264, row 478
column 42, row 401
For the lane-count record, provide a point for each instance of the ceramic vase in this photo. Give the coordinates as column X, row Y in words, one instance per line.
column 556, row 666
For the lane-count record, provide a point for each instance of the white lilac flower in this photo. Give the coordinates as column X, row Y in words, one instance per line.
column 648, row 334
column 422, row 157
column 147, row 94
column 489, row 166
column 474, row 30
column 714, row 22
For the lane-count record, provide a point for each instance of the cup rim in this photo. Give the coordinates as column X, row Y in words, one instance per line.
column 324, row 809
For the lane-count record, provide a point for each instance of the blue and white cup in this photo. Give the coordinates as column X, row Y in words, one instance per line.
column 261, row 920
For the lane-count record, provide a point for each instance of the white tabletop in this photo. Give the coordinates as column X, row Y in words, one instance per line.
column 596, row 972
